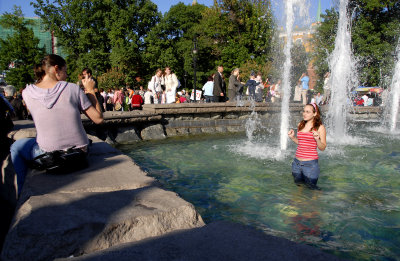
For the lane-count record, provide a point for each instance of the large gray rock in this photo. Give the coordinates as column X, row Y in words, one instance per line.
column 111, row 202
column 208, row 130
column 64, row 224
column 235, row 128
column 108, row 170
column 153, row 132
column 127, row 135
column 217, row 241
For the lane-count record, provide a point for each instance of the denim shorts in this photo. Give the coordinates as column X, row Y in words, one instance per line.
column 305, row 171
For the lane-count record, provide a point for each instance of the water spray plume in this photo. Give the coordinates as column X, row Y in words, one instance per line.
column 290, row 18
column 343, row 77
column 395, row 92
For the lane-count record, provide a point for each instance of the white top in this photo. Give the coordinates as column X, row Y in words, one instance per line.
column 326, row 83
column 155, row 84
column 171, row 83
column 147, row 97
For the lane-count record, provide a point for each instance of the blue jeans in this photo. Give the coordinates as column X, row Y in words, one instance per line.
column 305, row 171
column 209, row 98
column 22, row 151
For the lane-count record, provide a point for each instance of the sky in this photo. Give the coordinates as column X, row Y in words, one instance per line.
column 164, row 5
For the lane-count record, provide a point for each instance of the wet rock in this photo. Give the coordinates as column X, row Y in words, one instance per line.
column 127, row 135
column 153, row 132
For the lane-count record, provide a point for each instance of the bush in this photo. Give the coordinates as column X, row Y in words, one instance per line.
column 112, row 79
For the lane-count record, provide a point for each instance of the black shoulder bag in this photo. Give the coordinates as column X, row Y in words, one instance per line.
column 61, row 161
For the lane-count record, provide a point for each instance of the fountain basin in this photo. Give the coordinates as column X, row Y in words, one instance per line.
column 355, row 215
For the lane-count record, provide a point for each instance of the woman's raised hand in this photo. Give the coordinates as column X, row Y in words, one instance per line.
column 316, row 135
column 88, row 84
column 291, row 133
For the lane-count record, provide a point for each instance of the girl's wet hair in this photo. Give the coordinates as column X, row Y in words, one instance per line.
column 317, row 118
column 48, row 61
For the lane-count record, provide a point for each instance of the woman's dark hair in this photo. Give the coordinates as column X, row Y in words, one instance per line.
column 48, row 61
column 317, row 118
column 210, row 78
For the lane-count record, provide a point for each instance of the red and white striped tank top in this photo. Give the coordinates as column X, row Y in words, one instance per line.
column 307, row 147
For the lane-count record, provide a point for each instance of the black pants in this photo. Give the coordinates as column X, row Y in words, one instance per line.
column 219, row 98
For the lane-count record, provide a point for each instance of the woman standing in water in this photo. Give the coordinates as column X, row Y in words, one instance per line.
column 311, row 134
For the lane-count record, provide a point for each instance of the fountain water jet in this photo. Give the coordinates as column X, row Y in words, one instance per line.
column 395, row 93
column 343, row 76
column 285, row 115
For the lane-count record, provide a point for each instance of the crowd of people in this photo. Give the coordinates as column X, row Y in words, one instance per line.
column 164, row 88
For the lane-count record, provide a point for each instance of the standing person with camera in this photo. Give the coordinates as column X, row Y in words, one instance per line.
column 56, row 107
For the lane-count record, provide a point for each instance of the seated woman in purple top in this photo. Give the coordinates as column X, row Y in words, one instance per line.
column 55, row 106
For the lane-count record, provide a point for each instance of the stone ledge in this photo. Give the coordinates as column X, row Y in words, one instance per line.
column 63, row 224
column 109, row 170
column 222, row 241
column 109, row 203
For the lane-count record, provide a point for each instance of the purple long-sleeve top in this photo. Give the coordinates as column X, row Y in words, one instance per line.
column 56, row 113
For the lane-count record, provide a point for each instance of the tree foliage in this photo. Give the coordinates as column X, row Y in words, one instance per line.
column 113, row 78
column 376, row 28
column 324, row 41
column 20, row 49
column 300, row 60
column 236, row 31
column 170, row 42
column 101, row 34
column 135, row 38
column 375, row 31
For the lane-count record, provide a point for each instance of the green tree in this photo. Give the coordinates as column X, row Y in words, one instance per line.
column 128, row 24
column 113, row 78
column 376, row 28
column 100, row 34
column 237, row 31
column 170, row 42
column 21, row 48
column 300, row 62
column 375, row 31
column 80, row 29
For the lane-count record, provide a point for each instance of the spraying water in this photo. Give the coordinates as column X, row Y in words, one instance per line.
column 252, row 123
column 285, row 114
column 343, row 76
column 395, row 92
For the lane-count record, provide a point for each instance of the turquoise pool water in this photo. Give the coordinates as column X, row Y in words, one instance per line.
column 355, row 215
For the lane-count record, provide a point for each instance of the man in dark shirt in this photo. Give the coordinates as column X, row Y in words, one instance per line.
column 20, row 111
column 219, row 91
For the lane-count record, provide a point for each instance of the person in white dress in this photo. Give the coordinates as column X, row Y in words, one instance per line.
column 170, row 81
column 155, row 86
column 297, row 92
